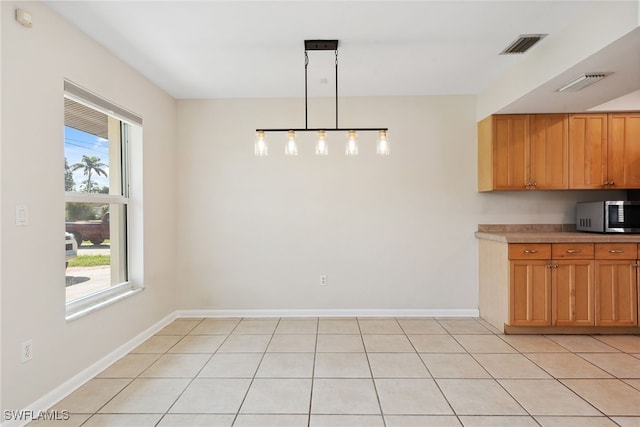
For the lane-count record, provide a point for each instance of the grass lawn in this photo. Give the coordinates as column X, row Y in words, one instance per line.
column 90, row 261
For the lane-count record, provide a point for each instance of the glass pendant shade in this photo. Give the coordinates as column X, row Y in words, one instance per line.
column 382, row 147
column 352, row 144
column 291, row 149
column 321, row 147
column 261, row 148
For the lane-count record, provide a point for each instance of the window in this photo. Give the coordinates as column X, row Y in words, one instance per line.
column 97, row 204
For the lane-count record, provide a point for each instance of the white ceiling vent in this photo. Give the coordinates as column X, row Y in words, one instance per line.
column 523, row 43
column 582, row 81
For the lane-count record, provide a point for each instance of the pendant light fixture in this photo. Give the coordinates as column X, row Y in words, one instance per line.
column 322, row 149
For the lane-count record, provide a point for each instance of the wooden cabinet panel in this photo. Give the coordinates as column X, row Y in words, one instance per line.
column 530, row 251
column 559, row 151
column 510, row 152
column 549, row 151
column 573, row 293
column 616, row 293
column 623, row 150
column 588, row 150
column 572, row 251
column 627, row 251
column 530, row 293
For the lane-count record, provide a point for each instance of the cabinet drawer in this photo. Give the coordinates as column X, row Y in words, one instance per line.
column 572, row 251
column 529, row 251
column 616, row 251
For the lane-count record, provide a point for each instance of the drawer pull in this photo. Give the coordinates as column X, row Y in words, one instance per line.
column 616, row 251
column 530, row 251
column 573, row 251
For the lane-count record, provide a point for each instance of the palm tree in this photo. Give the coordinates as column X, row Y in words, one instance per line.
column 90, row 165
column 68, row 177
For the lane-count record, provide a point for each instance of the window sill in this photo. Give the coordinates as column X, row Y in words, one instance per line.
column 86, row 305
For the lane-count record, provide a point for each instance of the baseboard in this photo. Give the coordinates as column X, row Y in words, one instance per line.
column 48, row 400
column 462, row 312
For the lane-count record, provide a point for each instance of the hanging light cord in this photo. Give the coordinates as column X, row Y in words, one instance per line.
column 336, row 88
column 318, row 45
column 306, row 113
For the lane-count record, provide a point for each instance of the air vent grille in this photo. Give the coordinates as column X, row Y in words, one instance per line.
column 582, row 81
column 523, row 43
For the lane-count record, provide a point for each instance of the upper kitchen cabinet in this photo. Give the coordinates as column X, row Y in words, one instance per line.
column 520, row 152
column 605, row 151
column 588, row 148
column 549, row 152
column 623, row 150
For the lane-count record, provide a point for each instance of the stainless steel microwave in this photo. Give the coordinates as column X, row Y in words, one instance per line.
column 608, row 216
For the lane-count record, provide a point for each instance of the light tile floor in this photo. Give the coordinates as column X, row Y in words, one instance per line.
column 362, row 372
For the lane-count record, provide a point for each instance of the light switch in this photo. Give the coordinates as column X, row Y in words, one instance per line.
column 22, row 216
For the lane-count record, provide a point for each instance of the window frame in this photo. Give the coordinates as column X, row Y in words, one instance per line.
column 84, row 305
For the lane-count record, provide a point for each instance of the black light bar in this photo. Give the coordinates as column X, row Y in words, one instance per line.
column 323, row 129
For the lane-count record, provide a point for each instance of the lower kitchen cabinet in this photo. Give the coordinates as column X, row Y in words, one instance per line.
column 573, row 293
column 616, row 284
column 616, row 297
column 560, row 285
column 530, row 293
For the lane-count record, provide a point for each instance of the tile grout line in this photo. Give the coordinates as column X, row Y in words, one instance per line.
column 434, row 379
column 197, row 373
column 138, row 376
column 244, row 398
column 556, row 379
column 373, row 381
column 313, row 372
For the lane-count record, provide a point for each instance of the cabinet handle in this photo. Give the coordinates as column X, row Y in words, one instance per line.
column 552, row 265
column 636, row 265
column 573, row 251
column 616, row 251
column 530, row 251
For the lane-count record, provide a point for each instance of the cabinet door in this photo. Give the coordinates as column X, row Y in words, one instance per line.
column 510, row 152
column 573, row 293
column 623, row 152
column 549, row 151
column 530, row 293
column 588, row 148
column 616, row 293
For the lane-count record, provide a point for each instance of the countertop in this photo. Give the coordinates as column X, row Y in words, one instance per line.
column 548, row 233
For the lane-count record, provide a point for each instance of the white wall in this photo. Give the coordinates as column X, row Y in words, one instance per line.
column 390, row 233
column 34, row 63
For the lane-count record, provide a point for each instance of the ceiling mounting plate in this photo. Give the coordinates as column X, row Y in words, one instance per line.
column 321, row 45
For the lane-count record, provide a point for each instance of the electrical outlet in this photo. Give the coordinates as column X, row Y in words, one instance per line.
column 26, row 351
column 323, row 280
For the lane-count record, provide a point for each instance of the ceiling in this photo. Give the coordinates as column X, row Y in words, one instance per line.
column 244, row 49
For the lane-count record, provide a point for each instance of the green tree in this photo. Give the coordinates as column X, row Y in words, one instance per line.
column 80, row 211
column 89, row 165
column 69, row 183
